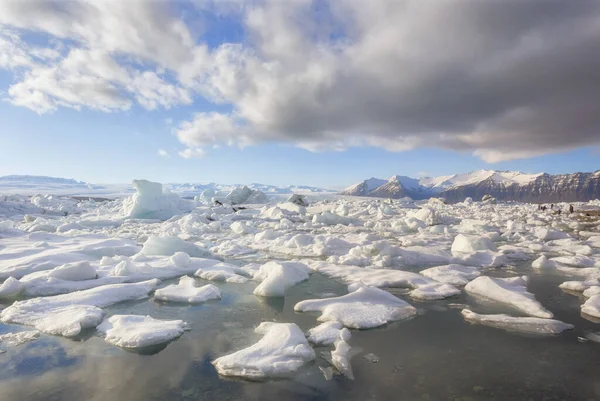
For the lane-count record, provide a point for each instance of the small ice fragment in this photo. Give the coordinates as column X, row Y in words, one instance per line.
column 340, row 358
column 327, row 372
column 371, row 357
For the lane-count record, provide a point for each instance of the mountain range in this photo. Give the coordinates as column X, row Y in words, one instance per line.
column 31, row 184
column 502, row 185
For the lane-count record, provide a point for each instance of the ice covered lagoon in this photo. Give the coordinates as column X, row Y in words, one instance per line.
column 510, row 346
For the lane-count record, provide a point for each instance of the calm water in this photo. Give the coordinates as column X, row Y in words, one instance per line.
column 435, row 356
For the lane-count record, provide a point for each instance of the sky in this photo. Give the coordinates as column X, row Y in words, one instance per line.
column 323, row 93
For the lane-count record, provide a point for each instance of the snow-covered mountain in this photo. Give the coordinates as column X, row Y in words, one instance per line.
column 29, row 185
column 503, row 185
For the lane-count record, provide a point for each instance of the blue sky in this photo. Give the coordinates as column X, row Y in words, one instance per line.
column 106, row 142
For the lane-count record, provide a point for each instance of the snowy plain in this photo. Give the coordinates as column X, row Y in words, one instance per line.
column 295, row 289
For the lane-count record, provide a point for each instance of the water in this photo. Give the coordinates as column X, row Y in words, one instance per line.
column 435, row 356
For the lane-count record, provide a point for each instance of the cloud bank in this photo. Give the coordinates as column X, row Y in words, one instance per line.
column 503, row 80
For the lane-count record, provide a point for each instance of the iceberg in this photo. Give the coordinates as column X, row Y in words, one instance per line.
column 151, row 201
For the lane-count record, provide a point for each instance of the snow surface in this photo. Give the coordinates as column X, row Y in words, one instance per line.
column 283, row 349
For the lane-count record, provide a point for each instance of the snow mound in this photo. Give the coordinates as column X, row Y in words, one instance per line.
column 132, row 331
column 241, row 195
column 332, row 219
column 68, row 314
column 169, row 245
column 549, row 234
column 530, row 325
column 327, row 333
column 508, row 291
column 75, row 271
column 282, row 349
column 152, row 202
column 452, row 274
column 276, row 277
column 364, row 307
column 10, row 288
column 187, row 292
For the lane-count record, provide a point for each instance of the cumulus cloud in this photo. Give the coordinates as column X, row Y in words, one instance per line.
column 191, row 153
column 163, row 153
column 502, row 80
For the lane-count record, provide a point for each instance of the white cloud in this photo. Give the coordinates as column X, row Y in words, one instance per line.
column 502, row 80
column 163, row 153
column 190, row 153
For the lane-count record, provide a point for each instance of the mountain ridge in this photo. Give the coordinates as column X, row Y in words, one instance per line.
column 503, row 185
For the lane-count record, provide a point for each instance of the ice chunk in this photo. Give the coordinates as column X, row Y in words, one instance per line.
column 75, row 271
column 241, row 228
column 591, row 307
column 282, row 349
column 340, row 358
column 151, row 202
column 18, row 338
column 452, row 274
column 579, row 286
column 169, row 245
column 298, row 199
column 548, row 234
column 434, row 291
column 327, row 333
column 132, row 331
column 180, row 259
column 276, row 277
column 187, row 292
column 68, row 314
column 223, row 272
column 363, row 308
column 427, row 215
column 531, row 325
column 464, row 243
column 10, row 288
column 331, row 219
column 509, row 291
column 244, row 194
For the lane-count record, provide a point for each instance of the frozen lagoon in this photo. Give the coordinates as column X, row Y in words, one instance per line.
column 434, row 355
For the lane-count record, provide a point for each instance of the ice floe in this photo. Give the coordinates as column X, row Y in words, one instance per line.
column 276, row 277
column 282, row 349
column 530, row 325
column 187, row 292
column 132, row 331
column 509, row 291
column 364, row 307
column 68, row 314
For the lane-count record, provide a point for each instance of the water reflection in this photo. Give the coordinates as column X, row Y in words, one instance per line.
column 435, row 356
